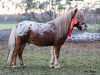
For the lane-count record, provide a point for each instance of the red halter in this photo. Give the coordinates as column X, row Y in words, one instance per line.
column 73, row 22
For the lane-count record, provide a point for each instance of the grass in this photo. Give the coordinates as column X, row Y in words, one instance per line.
column 72, row 63
column 93, row 27
column 37, row 64
column 6, row 26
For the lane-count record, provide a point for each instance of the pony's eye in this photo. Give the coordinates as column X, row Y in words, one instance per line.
column 83, row 23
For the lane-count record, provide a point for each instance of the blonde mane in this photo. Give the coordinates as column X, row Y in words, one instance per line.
column 79, row 15
column 62, row 23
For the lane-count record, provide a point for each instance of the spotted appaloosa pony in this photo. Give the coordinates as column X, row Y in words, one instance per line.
column 52, row 33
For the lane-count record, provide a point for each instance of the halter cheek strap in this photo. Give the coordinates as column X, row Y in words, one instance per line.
column 73, row 22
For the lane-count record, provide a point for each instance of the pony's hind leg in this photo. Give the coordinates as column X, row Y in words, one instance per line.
column 20, row 56
column 17, row 51
column 15, row 56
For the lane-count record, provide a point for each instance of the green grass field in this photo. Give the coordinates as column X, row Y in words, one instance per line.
column 75, row 59
column 37, row 60
column 6, row 26
column 92, row 27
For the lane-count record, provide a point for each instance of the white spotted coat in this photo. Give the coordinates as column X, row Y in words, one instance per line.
column 24, row 26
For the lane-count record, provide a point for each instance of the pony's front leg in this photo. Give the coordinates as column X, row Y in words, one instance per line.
column 52, row 58
column 56, row 56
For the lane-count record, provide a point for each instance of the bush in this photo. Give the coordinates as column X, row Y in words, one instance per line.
column 98, row 11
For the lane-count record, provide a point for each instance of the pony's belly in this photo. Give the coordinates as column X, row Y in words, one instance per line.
column 45, row 40
column 42, row 43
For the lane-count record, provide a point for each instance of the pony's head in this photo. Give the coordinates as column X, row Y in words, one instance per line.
column 79, row 16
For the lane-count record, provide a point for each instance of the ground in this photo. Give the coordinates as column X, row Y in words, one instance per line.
column 80, row 58
column 76, row 58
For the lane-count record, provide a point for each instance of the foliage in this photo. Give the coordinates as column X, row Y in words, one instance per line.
column 6, row 26
column 61, row 7
column 29, row 4
column 43, row 5
column 98, row 11
column 68, row 2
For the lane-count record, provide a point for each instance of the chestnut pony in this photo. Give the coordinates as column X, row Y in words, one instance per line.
column 52, row 33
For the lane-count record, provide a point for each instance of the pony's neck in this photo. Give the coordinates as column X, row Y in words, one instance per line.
column 63, row 23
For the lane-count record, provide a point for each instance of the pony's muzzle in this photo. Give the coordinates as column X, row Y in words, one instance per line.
column 84, row 26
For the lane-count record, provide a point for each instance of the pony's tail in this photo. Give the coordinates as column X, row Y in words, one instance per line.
column 11, row 45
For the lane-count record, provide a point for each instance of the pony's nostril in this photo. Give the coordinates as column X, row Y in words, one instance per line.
column 86, row 26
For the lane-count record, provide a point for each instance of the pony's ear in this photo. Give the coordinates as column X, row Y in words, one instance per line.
column 74, row 12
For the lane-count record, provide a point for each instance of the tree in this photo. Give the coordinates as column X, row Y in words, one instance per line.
column 4, row 6
column 44, row 7
column 29, row 5
column 98, row 11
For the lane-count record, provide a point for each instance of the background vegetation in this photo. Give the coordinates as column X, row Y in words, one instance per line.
column 46, row 10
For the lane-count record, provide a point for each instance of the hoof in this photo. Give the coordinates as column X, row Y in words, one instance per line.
column 14, row 66
column 51, row 65
column 8, row 64
column 22, row 65
column 56, row 66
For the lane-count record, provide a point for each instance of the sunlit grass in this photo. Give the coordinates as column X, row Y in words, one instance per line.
column 36, row 63
column 6, row 26
column 94, row 27
column 90, row 26
column 37, row 60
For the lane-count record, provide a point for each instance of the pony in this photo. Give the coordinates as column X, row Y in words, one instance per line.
column 52, row 33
